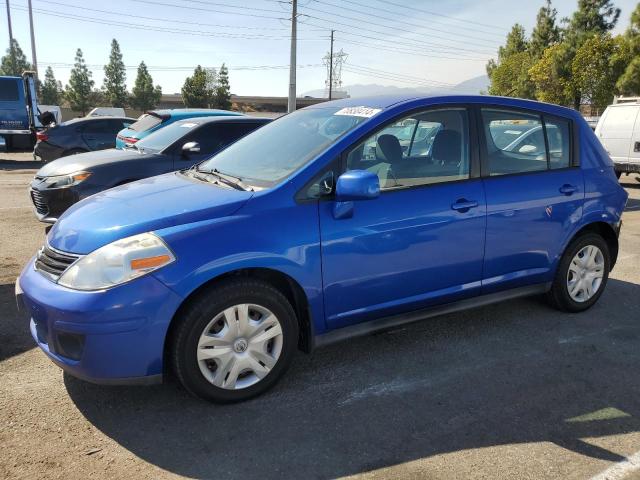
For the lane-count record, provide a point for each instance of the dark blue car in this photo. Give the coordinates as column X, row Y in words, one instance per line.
column 320, row 226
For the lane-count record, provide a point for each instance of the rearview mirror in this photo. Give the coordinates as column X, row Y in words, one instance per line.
column 191, row 147
column 357, row 185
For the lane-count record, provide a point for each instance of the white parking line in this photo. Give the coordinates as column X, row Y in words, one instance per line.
column 620, row 470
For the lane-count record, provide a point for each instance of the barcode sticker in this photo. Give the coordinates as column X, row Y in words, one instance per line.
column 365, row 112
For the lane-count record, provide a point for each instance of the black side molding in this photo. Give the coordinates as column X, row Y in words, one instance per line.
column 386, row 323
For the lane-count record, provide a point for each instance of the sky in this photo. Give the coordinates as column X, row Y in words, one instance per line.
column 405, row 43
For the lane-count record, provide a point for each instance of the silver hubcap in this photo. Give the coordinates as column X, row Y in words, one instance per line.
column 585, row 273
column 240, row 346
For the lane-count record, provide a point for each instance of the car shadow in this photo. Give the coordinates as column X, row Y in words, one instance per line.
column 633, row 204
column 14, row 330
column 20, row 164
column 516, row 372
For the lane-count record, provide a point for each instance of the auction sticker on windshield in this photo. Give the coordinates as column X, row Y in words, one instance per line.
column 188, row 125
column 365, row 112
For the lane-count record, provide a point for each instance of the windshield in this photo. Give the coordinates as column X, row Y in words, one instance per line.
column 278, row 149
column 166, row 136
column 145, row 122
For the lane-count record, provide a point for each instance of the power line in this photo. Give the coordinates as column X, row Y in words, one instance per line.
column 156, row 28
column 408, row 77
column 150, row 2
column 187, row 68
column 395, row 20
column 416, row 9
column 172, row 20
column 360, row 20
column 412, row 52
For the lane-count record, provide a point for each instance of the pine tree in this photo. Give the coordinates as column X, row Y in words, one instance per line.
column 15, row 62
column 546, row 32
column 196, row 91
column 51, row 89
column 115, row 77
column 79, row 90
column 508, row 75
column 144, row 95
column 223, row 91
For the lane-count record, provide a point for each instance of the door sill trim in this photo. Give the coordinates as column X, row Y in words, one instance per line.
column 385, row 323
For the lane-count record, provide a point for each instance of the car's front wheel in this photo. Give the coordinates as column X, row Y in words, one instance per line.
column 582, row 274
column 234, row 341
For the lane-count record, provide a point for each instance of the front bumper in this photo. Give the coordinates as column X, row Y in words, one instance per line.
column 49, row 204
column 114, row 336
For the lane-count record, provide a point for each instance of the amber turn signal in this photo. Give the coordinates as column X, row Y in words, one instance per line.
column 150, row 262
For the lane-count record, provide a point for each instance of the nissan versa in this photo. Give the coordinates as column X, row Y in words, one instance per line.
column 320, row 226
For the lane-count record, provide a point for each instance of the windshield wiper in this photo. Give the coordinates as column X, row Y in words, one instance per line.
column 208, row 174
column 235, row 182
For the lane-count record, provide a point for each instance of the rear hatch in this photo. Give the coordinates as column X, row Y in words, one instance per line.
column 146, row 122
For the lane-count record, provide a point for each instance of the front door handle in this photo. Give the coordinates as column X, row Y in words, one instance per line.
column 464, row 205
column 567, row 189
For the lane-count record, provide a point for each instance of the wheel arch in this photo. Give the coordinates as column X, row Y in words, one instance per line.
column 287, row 285
column 606, row 231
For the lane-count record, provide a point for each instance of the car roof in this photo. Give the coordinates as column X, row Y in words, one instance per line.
column 93, row 119
column 225, row 119
column 185, row 112
column 387, row 101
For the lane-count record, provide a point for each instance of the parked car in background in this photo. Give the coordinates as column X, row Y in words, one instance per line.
column 61, row 183
column 79, row 135
column 295, row 237
column 619, row 131
column 156, row 119
column 107, row 112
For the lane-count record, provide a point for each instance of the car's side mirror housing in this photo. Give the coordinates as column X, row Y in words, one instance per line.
column 190, row 147
column 357, row 185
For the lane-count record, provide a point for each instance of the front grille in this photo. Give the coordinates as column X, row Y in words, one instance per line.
column 52, row 263
column 41, row 205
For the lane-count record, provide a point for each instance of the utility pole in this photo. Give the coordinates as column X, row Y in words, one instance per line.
column 33, row 42
column 11, row 52
column 292, row 62
column 330, row 66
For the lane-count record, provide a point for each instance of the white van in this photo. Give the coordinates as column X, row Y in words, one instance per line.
column 619, row 131
column 106, row 112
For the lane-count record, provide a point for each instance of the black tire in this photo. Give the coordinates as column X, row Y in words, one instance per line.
column 559, row 296
column 197, row 315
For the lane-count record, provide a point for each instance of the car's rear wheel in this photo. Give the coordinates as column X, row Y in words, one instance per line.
column 582, row 274
column 234, row 341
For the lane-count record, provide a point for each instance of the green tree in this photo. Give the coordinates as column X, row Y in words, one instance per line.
column 197, row 91
column 629, row 81
column 15, row 62
column 115, row 77
column 516, row 43
column 546, row 32
column 593, row 17
column 511, row 77
column 144, row 95
column 51, row 89
column 547, row 78
column 80, row 88
column 223, row 89
column 596, row 66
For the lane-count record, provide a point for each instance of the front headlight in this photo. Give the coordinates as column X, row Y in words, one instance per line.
column 66, row 180
column 117, row 263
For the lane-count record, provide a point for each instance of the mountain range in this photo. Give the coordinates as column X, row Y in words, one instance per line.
column 473, row 86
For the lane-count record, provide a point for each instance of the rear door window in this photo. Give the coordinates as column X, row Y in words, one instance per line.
column 559, row 138
column 97, row 127
column 515, row 142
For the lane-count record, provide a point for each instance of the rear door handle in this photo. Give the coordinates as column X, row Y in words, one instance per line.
column 567, row 189
column 463, row 205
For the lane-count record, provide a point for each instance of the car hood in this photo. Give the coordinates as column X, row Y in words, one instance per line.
column 88, row 161
column 143, row 206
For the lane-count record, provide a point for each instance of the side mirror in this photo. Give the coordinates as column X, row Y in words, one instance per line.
column 357, row 185
column 190, row 147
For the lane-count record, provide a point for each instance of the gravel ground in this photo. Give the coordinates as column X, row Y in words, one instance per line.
column 515, row 390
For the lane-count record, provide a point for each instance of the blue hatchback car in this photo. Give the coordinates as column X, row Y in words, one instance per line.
column 327, row 223
column 156, row 119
